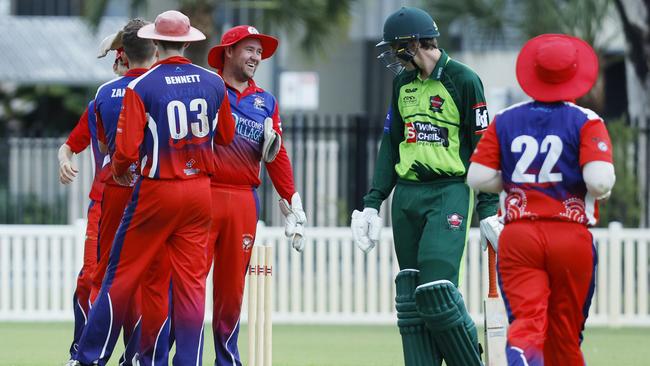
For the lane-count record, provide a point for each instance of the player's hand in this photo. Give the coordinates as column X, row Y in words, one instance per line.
column 366, row 228
column 272, row 141
column 295, row 219
column 490, row 228
column 125, row 180
column 67, row 172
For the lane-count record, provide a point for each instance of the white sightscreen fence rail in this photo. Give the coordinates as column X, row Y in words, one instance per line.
column 332, row 281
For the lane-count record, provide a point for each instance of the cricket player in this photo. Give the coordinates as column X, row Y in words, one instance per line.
column 83, row 135
column 235, row 204
column 437, row 115
column 140, row 333
column 167, row 124
column 553, row 159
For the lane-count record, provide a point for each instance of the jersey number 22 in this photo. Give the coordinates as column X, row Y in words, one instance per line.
column 551, row 146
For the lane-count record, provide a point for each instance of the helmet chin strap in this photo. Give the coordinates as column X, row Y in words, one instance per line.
column 408, row 56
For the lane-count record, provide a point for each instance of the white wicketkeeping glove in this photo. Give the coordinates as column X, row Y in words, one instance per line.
column 366, row 227
column 490, row 228
column 295, row 218
column 272, row 141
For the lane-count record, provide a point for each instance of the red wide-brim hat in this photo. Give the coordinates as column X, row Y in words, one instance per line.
column 171, row 26
column 556, row 67
column 236, row 34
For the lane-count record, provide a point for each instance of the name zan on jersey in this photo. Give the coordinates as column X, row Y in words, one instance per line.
column 182, row 79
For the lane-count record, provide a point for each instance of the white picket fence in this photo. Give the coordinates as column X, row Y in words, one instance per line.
column 330, row 282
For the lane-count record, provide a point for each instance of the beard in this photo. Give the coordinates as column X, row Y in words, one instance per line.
column 246, row 72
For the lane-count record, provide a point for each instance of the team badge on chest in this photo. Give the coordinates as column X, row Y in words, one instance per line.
column 435, row 103
column 258, row 103
column 454, row 220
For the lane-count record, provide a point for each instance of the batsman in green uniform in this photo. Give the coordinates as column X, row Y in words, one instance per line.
column 436, row 118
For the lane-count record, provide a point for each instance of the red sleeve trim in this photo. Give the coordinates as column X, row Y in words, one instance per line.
column 79, row 138
column 225, row 123
column 277, row 123
column 101, row 134
column 595, row 144
column 479, row 105
column 281, row 174
column 130, row 132
column 487, row 151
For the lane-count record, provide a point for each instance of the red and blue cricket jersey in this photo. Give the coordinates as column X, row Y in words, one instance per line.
column 85, row 133
column 540, row 149
column 546, row 259
column 177, row 129
column 167, row 123
column 239, row 162
column 235, row 210
column 108, row 105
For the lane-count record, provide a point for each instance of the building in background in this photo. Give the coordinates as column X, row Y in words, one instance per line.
column 333, row 101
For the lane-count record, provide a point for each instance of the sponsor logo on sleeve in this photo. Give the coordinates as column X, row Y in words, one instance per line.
column 602, row 146
column 387, row 121
column 481, row 116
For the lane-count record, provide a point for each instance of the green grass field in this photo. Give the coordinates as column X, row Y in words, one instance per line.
column 45, row 344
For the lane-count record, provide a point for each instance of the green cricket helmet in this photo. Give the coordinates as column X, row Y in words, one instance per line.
column 406, row 24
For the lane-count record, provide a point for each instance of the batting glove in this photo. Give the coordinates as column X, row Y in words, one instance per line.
column 295, row 218
column 490, row 228
column 366, row 227
column 272, row 141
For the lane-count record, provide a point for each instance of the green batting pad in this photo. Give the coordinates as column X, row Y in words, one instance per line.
column 442, row 308
column 417, row 343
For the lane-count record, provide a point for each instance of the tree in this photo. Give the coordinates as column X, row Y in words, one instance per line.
column 623, row 205
column 313, row 20
column 635, row 20
column 495, row 20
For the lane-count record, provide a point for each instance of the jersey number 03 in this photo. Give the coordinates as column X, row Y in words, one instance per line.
column 178, row 128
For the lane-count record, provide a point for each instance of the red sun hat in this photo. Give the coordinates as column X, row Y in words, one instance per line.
column 556, row 67
column 171, row 26
column 236, row 34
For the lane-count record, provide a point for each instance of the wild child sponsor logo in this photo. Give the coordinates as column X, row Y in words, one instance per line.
column 423, row 132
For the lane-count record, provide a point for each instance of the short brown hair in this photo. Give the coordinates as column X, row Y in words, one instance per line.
column 167, row 45
column 137, row 49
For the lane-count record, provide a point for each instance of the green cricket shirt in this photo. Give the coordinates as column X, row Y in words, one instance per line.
column 431, row 131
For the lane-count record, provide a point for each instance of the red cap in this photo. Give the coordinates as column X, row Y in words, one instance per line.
column 556, row 67
column 236, row 34
column 172, row 26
